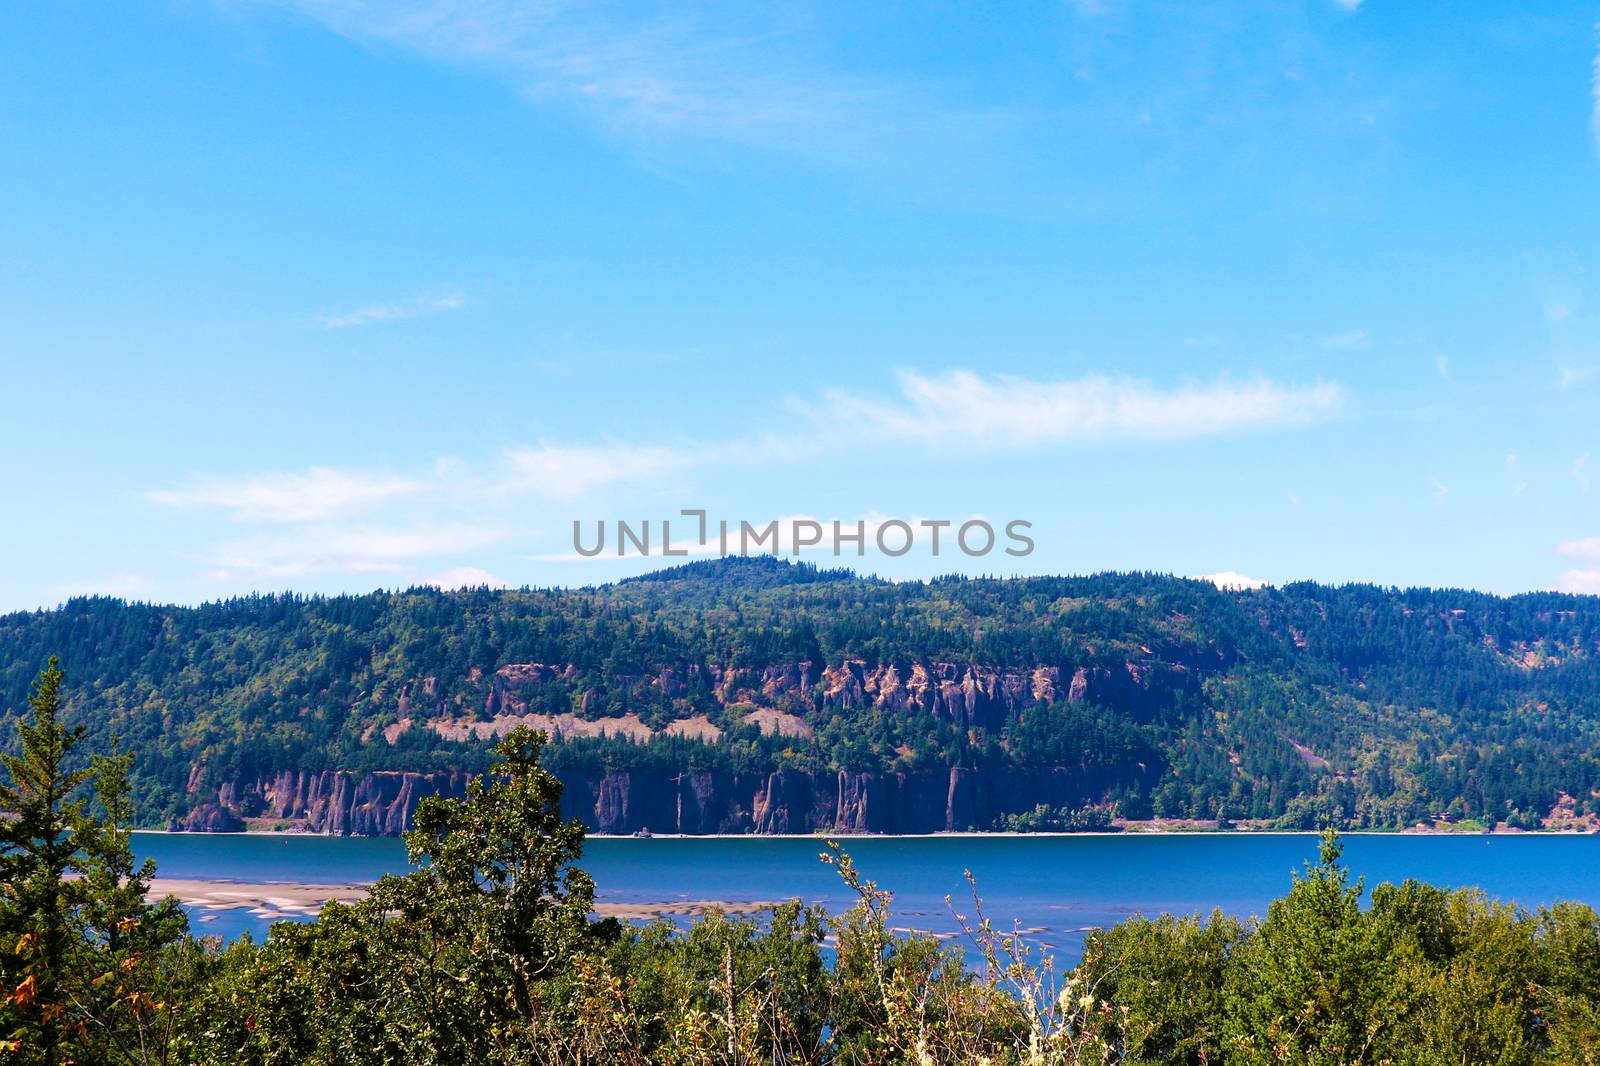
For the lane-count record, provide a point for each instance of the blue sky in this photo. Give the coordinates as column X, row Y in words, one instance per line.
column 338, row 295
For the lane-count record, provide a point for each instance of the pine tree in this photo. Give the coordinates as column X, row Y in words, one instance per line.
column 122, row 991
column 41, row 819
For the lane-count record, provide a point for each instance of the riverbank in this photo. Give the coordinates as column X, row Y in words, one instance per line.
column 282, row 900
column 1145, row 828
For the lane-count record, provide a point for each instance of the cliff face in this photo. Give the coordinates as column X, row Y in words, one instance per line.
column 624, row 802
column 787, row 698
column 964, row 694
column 373, row 804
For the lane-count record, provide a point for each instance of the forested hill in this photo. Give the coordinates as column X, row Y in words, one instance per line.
column 757, row 695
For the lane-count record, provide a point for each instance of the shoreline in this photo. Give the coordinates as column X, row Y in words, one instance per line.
column 975, row 835
column 289, row 900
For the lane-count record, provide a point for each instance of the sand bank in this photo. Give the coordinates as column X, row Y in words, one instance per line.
column 296, row 900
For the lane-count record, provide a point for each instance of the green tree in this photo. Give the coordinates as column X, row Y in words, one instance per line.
column 41, row 825
column 133, row 961
column 87, row 960
column 1308, row 986
column 467, row 959
column 1167, row 974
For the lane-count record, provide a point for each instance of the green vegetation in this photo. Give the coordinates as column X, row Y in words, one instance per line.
column 1046, row 819
column 487, row 954
column 1300, row 706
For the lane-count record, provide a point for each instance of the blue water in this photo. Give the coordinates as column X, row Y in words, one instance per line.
column 1061, row 886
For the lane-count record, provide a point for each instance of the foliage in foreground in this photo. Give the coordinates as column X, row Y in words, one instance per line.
column 488, row 954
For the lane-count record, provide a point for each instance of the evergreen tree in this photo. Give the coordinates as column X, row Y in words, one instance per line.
column 123, row 991
column 1307, row 987
column 41, row 825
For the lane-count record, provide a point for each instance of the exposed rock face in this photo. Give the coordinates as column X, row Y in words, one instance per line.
column 966, row 695
column 786, row 699
column 372, row 804
column 627, row 801
column 209, row 818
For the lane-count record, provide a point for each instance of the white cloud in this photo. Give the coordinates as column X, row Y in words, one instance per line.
column 1582, row 581
column 1580, row 547
column 295, row 496
column 406, row 525
column 1232, row 579
column 566, row 472
column 124, row 585
column 737, row 76
column 1574, row 375
column 324, row 492
column 961, row 407
column 1441, row 363
column 363, row 550
column 1580, row 471
column 465, row 577
column 327, row 520
column 1594, row 98
column 1560, row 301
column 1356, row 338
column 1348, row 5
column 390, row 312
column 1441, row 492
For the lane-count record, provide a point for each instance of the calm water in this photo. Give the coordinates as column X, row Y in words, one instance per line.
column 1061, row 885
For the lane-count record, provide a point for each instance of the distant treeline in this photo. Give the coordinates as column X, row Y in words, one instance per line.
column 1302, row 705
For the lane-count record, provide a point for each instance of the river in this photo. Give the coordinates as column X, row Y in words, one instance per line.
column 1057, row 886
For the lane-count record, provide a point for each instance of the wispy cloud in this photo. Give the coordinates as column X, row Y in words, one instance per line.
column 1594, row 96
column 566, row 472
column 329, row 520
column 1441, row 363
column 386, row 550
column 125, row 585
column 1580, row 471
column 739, row 76
column 295, row 496
column 407, row 525
column 962, row 407
column 1355, row 338
column 416, row 307
column 1560, row 300
column 1571, row 376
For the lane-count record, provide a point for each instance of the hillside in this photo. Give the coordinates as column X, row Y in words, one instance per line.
column 759, row 696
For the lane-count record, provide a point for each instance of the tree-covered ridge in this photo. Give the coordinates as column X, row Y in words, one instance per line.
column 1303, row 704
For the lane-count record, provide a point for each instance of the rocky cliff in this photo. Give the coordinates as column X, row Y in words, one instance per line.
column 345, row 804
column 625, row 802
column 784, row 700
